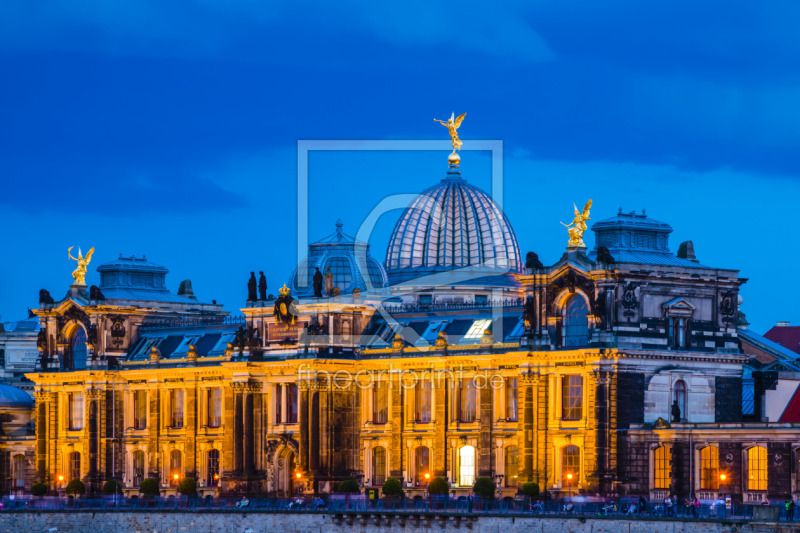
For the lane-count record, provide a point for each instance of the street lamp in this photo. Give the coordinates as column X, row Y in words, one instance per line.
column 569, row 485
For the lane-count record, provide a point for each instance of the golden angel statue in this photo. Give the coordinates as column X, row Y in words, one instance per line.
column 578, row 225
column 79, row 274
column 452, row 125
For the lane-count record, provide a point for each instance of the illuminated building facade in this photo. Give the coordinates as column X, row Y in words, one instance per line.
column 615, row 371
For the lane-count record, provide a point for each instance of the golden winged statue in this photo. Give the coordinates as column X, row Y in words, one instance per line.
column 452, row 125
column 79, row 274
column 578, row 226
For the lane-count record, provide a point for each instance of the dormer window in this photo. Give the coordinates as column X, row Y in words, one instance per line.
column 575, row 322
column 678, row 314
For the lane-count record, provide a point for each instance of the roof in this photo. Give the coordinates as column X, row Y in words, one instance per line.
column 792, row 411
column 786, row 336
column 132, row 263
column 768, row 351
column 650, row 258
column 29, row 324
column 11, row 396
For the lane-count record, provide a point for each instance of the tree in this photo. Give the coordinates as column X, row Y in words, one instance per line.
column 112, row 487
column 348, row 485
column 530, row 489
column 75, row 487
column 439, row 485
column 149, row 487
column 188, row 486
column 392, row 487
column 39, row 488
column 484, row 487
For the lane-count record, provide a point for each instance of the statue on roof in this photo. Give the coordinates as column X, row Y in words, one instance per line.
column 576, row 228
column 79, row 274
column 252, row 288
column 328, row 281
column 262, row 285
column 318, row 280
column 452, row 125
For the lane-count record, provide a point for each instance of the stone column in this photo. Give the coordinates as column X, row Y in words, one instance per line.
column 228, row 433
column 526, row 393
column 439, row 451
column 191, row 419
column 238, row 430
column 41, row 434
column 52, row 435
column 249, row 428
column 303, row 407
column 316, row 422
column 600, row 379
column 485, row 462
column 396, row 419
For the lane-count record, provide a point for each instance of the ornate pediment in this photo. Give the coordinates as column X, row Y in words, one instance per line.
column 679, row 307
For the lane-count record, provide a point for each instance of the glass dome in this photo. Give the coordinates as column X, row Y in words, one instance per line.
column 349, row 262
column 452, row 226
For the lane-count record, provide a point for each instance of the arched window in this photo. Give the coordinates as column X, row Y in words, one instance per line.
column 662, row 470
column 212, row 468
column 19, row 471
column 380, row 403
column 575, row 322
column 378, row 465
column 709, row 468
column 466, row 466
column 679, row 395
column 175, row 464
column 512, row 466
column 421, row 464
column 511, row 399
column 757, row 468
column 76, row 359
column 74, row 465
column 570, row 465
column 138, row 467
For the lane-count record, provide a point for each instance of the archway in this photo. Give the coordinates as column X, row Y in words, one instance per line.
column 285, row 473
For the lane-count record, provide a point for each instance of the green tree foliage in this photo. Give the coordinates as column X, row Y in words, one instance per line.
column 112, row 487
column 149, row 487
column 484, row 487
column 188, row 486
column 531, row 489
column 39, row 489
column 392, row 487
column 348, row 486
column 439, row 485
column 75, row 487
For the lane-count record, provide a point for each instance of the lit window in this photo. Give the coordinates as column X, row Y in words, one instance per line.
column 140, row 409
column 212, row 468
column 378, row 466
column 74, row 465
column 176, row 411
column 662, row 473
column 757, row 468
column 466, row 466
column 570, row 465
column 467, row 400
column 512, row 466
column 421, row 456
column 215, row 407
column 138, row 467
column 174, row 467
column 511, row 399
column 571, row 397
column 75, row 411
column 575, row 323
column 709, row 468
column 380, row 407
column 19, row 471
column 422, row 401
column 477, row 328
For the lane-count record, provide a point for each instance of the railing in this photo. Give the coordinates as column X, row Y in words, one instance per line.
column 620, row 509
column 453, row 306
column 182, row 322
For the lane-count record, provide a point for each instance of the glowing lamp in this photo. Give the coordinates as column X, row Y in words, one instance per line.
column 569, row 476
column 61, row 478
column 175, row 476
column 427, row 476
column 216, row 476
column 299, row 475
column 722, row 477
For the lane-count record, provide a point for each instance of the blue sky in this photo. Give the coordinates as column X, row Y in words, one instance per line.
column 171, row 128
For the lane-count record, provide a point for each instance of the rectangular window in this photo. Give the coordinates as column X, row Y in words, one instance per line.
column 380, row 405
column 511, row 399
column 75, row 411
column 467, row 400
column 278, row 404
column 215, row 407
column 176, row 408
column 662, row 473
column 74, row 465
column 140, row 409
column 757, row 468
column 677, row 332
column 481, row 299
column 291, row 403
column 571, row 397
column 425, row 299
column 422, row 401
column 709, row 468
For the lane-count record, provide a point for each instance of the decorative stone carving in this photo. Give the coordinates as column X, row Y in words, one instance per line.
column 629, row 300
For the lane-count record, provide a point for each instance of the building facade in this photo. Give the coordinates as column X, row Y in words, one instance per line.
column 618, row 370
